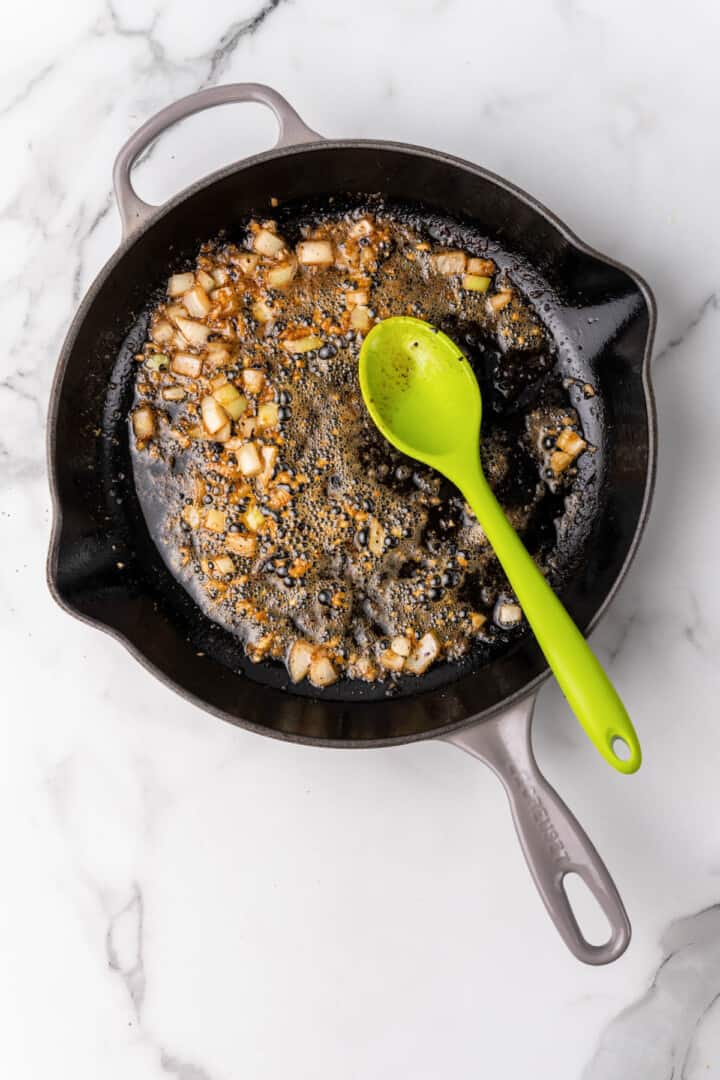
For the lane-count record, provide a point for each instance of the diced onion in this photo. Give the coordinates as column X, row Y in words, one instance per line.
column 570, row 442
column 483, row 267
column 376, row 537
column 191, row 515
column 450, row 262
column 322, row 673
column 560, row 460
column 500, row 300
column 219, row 277
column 262, row 312
column 268, row 243
column 214, row 416
column 249, row 460
column 256, row 650
column 280, row 276
column 197, row 302
column 303, row 344
column 246, row 426
column 278, row 498
column 254, row 518
column 363, row 227
column 426, row 652
column 360, row 318
column 231, row 400
column 187, row 364
column 207, row 282
column 355, row 297
column 315, row 253
column 241, row 544
column 365, row 669
column 224, row 564
column 401, row 645
column 217, row 353
column 392, row 661
column 253, row 380
column 299, row 659
column 269, row 455
column 224, row 433
column 247, row 263
column 194, row 332
column 144, row 422
column 267, row 415
column 173, row 393
column 162, row 332
column 507, row 615
column 476, row 283
column 157, row 361
column 180, row 283
column 215, row 520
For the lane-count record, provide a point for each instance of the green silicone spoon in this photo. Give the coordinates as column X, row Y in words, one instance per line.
column 424, row 397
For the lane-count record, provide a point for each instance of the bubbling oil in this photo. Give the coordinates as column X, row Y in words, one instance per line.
column 369, row 546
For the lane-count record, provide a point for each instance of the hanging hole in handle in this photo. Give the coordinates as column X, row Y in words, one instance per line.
column 592, row 920
column 201, row 144
column 620, row 748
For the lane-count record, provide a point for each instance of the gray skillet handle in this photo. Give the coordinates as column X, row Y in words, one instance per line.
column 134, row 212
column 553, row 841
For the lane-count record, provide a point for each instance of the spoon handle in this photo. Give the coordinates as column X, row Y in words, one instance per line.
column 591, row 695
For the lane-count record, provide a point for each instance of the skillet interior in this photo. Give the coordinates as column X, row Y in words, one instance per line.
column 601, row 322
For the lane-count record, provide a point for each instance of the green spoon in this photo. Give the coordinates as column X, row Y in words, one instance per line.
column 424, row 397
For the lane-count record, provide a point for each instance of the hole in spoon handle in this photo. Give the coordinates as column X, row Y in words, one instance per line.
column 625, row 753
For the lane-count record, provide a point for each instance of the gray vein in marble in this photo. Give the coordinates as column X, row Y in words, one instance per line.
column 183, row 1070
column 95, row 223
column 221, row 56
column 710, row 303
column 156, row 48
column 625, row 628
column 24, row 94
column 655, row 1036
column 124, row 948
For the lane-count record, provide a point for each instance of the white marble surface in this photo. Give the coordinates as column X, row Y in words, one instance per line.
column 182, row 899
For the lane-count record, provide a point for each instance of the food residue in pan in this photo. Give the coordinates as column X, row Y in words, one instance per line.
column 290, row 518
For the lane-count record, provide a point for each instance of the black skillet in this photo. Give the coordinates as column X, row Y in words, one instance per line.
column 104, row 568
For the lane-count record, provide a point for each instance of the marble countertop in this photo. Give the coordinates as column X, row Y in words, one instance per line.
column 184, row 899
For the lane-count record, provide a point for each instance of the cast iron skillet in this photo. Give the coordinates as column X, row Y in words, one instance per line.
column 104, row 569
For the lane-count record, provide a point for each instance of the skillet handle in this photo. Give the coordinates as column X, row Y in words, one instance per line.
column 553, row 841
column 134, row 212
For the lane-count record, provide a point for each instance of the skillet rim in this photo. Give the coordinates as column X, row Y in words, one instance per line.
column 53, row 558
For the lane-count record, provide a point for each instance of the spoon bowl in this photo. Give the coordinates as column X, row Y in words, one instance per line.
column 409, row 372
column 422, row 394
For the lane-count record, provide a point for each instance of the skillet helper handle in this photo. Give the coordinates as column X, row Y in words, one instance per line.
column 134, row 212
column 553, row 841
